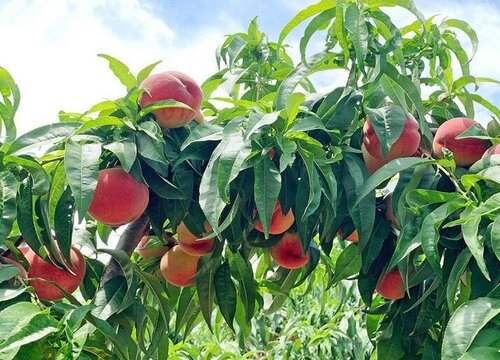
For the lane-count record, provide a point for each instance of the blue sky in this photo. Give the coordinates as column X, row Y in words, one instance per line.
column 51, row 47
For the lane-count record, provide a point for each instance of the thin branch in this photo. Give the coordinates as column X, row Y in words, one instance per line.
column 128, row 242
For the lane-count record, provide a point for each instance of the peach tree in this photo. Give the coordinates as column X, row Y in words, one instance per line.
column 237, row 192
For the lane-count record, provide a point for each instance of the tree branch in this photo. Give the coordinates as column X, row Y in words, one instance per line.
column 128, row 242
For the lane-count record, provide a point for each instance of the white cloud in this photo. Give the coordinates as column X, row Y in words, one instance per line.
column 51, row 51
column 50, row 48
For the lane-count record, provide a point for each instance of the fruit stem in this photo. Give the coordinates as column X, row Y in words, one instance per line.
column 128, row 242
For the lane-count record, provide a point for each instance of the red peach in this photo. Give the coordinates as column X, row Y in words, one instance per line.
column 466, row 151
column 178, row 267
column 156, row 251
column 279, row 222
column 39, row 268
column 190, row 243
column 353, row 237
column 494, row 150
column 390, row 286
column 287, row 252
column 372, row 163
column 118, row 198
column 405, row 145
column 172, row 85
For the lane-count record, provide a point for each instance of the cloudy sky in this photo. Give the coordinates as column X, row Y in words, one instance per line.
column 50, row 47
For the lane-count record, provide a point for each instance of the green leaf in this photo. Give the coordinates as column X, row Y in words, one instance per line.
column 210, row 200
column 320, row 22
column 388, row 123
column 8, row 206
column 453, row 280
column 303, row 15
column 150, row 148
column 257, row 121
column 11, row 98
column 344, row 113
column 25, row 216
column 185, row 308
column 348, row 263
column 470, row 230
column 37, row 328
column 429, row 234
column 225, row 292
column 144, row 73
column 205, row 287
column 315, row 63
column 121, row 71
column 465, row 323
column 285, row 288
column 154, row 285
column 387, row 171
column 164, row 104
column 42, row 135
column 201, row 134
column 495, row 237
column 407, row 4
column 41, row 183
column 233, row 152
column 356, row 27
column 245, row 277
column 81, row 162
column 109, row 298
column 126, row 152
column 63, row 222
column 266, row 190
column 481, row 353
column 467, row 29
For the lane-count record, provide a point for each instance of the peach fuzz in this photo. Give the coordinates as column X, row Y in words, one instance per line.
column 172, row 85
column 466, row 151
column 39, row 268
column 178, row 267
column 405, row 145
column 118, row 198
column 390, row 286
column 279, row 222
column 190, row 243
column 287, row 252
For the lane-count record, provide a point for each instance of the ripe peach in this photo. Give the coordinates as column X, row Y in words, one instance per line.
column 118, row 198
column 178, row 267
column 405, row 145
column 279, row 222
column 389, row 215
column 466, row 151
column 152, row 251
column 390, row 286
column 494, row 150
column 172, row 85
column 287, row 252
column 372, row 163
column 353, row 237
column 39, row 268
column 190, row 243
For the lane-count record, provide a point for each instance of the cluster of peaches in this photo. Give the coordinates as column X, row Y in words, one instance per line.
column 466, row 151
column 120, row 199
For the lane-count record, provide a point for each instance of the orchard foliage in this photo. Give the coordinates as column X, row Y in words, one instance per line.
column 270, row 138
